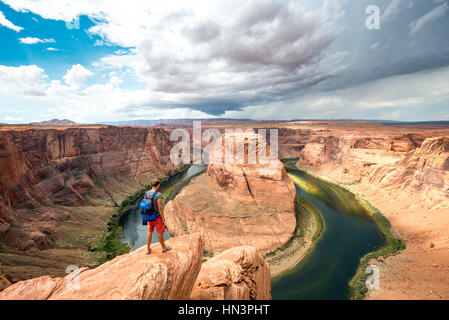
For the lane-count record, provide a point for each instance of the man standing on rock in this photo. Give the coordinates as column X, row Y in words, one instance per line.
column 160, row 220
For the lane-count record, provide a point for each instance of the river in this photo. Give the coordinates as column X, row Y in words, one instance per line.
column 349, row 233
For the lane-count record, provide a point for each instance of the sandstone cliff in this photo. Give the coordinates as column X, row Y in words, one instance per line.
column 418, row 164
column 236, row 274
column 60, row 187
column 135, row 276
column 236, row 205
column 4, row 282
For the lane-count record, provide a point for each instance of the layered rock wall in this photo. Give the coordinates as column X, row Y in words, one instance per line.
column 60, row 187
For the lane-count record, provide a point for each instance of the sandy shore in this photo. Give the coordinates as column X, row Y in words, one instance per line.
column 289, row 258
column 284, row 260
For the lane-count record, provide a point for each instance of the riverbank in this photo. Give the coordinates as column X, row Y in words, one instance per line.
column 393, row 246
column 393, row 242
column 309, row 227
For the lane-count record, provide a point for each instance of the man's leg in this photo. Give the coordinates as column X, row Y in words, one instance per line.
column 149, row 237
column 161, row 240
column 160, row 228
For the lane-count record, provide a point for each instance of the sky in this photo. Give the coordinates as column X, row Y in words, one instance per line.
column 111, row 60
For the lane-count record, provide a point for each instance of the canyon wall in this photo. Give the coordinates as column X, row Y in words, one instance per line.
column 4, row 282
column 58, row 167
column 410, row 162
column 60, row 186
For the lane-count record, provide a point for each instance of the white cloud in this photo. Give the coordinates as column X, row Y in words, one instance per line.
column 32, row 40
column 34, row 96
column 26, row 80
column 8, row 24
column 52, row 49
column 13, row 119
column 199, row 58
column 77, row 75
column 207, row 55
column 107, row 101
column 391, row 10
column 429, row 17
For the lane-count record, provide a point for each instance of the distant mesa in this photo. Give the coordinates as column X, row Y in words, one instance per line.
column 55, row 122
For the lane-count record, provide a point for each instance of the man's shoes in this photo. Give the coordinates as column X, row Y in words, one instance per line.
column 166, row 249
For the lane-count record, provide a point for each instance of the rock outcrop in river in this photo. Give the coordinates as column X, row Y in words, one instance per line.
column 135, row 276
column 236, row 205
column 239, row 273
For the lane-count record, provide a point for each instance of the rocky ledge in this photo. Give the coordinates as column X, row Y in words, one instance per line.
column 133, row 276
column 239, row 273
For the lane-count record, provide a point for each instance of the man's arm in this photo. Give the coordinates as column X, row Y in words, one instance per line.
column 161, row 211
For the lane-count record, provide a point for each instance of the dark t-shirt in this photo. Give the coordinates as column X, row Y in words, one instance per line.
column 158, row 196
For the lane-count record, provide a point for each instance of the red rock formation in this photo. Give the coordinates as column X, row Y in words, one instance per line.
column 46, row 172
column 239, row 273
column 46, row 167
column 408, row 161
column 235, row 205
column 425, row 171
column 134, row 276
column 4, row 282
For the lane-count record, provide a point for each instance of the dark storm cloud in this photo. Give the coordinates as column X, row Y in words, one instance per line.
column 264, row 52
column 381, row 71
column 268, row 51
column 391, row 50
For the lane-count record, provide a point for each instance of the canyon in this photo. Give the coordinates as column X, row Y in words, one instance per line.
column 404, row 172
column 60, row 187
